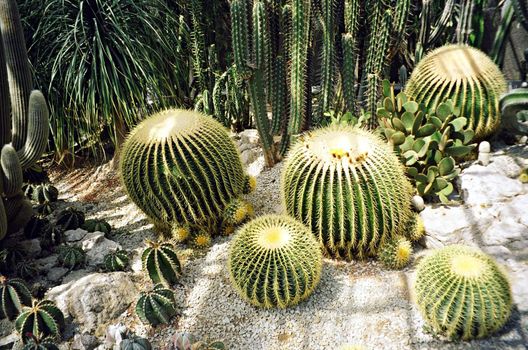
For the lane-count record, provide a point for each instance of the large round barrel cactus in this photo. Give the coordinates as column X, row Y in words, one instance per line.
column 349, row 187
column 180, row 166
column 274, row 261
column 466, row 76
column 462, row 293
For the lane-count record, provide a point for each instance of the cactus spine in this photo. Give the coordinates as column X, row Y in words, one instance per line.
column 23, row 119
column 157, row 306
column 348, row 187
column 161, row 263
column 42, row 319
column 274, row 261
column 14, row 295
column 462, row 293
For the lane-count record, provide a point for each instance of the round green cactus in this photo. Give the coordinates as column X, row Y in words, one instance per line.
column 93, row 225
column 14, row 294
column 237, row 211
column 415, row 228
column 135, row 343
column 161, row 263
column 71, row 256
column 116, row 261
column 52, row 237
column 395, row 253
column 42, row 193
column 36, row 227
column 26, row 269
column 274, row 261
column 42, row 319
column 70, row 219
column 181, row 167
column 466, row 76
column 157, row 306
column 349, row 187
column 37, row 344
column 462, row 293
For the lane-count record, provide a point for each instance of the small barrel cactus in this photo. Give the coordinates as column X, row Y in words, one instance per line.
column 44, row 193
column 181, row 167
column 71, row 256
column 26, row 269
column 45, row 208
column 202, row 239
column 349, row 187
column 157, row 306
column 70, row 219
column 14, row 295
column 10, row 257
column 180, row 233
column 462, row 293
column 395, row 253
column 135, row 343
column 274, row 261
column 52, row 237
column 161, row 263
column 415, row 228
column 93, row 225
column 36, row 227
column 466, row 76
column 250, row 183
column 116, row 261
column 42, row 319
column 35, row 343
column 237, row 211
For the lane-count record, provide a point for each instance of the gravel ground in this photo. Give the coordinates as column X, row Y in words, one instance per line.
column 358, row 303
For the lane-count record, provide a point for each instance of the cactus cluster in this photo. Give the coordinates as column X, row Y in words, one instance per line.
column 43, row 318
column 181, row 168
column 23, row 120
column 161, row 263
column 427, row 142
column 466, row 76
column 348, row 187
column 395, row 253
column 116, row 261
column 14, row 295
column 462, row 293
column 156, row 306
column 274, row 261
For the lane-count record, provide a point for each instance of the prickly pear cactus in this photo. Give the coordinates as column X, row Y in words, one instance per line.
column 181, row 167
column 157, row 306
column 42, row 319
column 466, row 76
column 161, row 263
column 282, row 253
column 14, row 295
column 462, row 293
column 348, row 187
column 395, row 253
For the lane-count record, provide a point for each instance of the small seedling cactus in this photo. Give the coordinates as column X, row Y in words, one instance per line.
column 93, row 225
column 41, row 320
column 462, row 293
column 42, row 193
column 70, row 219
column 157, row 306
column 36, row 227
column 415, row 229
column 10, row 257
column 347, row 185
column 161, row 263
column 237, row 212
column 14, row 295
column 181, row 233
column 285, row 256
column 202, row 240
column 45, row 208
column 116, row 261
column 37, row 344
column 71, row 256
column 395, row 253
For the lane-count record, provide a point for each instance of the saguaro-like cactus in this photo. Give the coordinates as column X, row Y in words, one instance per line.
column 23, row 120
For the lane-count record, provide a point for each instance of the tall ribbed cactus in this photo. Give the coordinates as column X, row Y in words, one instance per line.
column 348, row 187
column 23, row 120
column 328, row 56
column 251, row 60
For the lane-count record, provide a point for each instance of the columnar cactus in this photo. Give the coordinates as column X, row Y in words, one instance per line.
column 70, row 219
column 23, row 120
column 181, row 167
column 274, row 261
column 395, row 253
column 116, row 261
column 42, row 319
column 157, row 306
column 161, row 263
column 14, row 295
column 466, row 76
column 71, row 256
column 462, row 293
column 348, row 187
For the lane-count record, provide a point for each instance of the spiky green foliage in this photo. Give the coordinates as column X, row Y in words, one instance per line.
column 462, row 293
column 395, row 253
column 14, row 294
column 428, row 142
column 274, row 261
column 466, row 76
column 71, row 256
column 35, row 343
column 36, row 227
column 116, row 261
column 52, row 237
column 161, row 263
column 70, row 219
column 99, row 225
column 135, row 343
column 42, row 319
column 415, row 228
column 348, row 187
column 156, row 306
column 23, row 120
column 181, row 167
